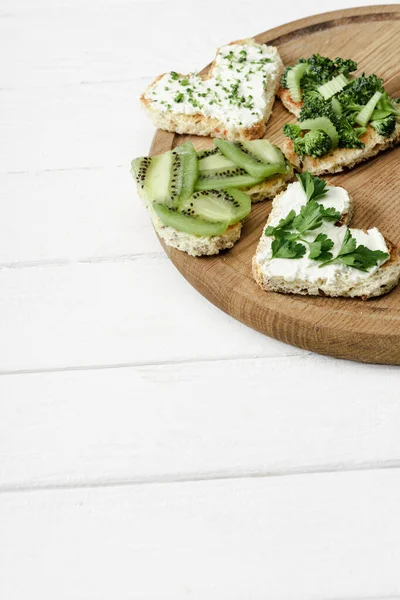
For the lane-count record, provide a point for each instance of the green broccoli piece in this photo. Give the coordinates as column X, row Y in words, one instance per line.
column 292, row 131
column 359, row 91
column 345, row 65
column 317, row 143
column 299, row 146
column 348, row 135
column 385, row 126
column 321, row 69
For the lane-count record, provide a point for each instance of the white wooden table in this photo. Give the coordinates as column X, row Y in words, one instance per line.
column 150, row 446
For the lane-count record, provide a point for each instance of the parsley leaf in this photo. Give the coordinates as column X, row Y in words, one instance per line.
column 313, row 187
column 319, row 248
column 357, row 257
column 311, row 216
column 283, row 224
column 284, row 248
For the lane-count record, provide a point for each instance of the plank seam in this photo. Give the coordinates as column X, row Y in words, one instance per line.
column 140, row 364
column 117, row 258
column 205, row 477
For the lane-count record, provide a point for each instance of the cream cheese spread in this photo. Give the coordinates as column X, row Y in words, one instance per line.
column 235, row 94
column 305, row 269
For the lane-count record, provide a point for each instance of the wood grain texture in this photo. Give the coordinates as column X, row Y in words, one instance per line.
column 343, row 328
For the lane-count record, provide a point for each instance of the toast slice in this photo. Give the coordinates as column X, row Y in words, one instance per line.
column 193, row 244
column 339, row 159
column 345, row 282
column 234, row 112
column 202, row 245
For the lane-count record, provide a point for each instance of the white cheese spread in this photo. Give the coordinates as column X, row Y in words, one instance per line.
column 235, row 94
column 305, row 269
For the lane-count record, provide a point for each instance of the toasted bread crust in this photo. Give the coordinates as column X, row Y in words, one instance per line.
column 193, row 244
column 199, row 124
column 291, row 105
column 381, row 282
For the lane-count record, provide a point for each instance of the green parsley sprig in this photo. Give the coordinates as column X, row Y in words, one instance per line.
column 292, row 229
column 314, row 187
column 359, row 257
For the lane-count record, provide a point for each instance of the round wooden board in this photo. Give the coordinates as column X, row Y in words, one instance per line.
column 364, row 331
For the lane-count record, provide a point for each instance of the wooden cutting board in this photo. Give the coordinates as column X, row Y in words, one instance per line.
column 364, row 331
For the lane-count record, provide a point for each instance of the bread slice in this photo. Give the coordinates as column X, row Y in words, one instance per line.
column 269, row 188
column 385, row 278
column 201, row 124
column 193, row 244
column 342, row 158
column 339, row 159
column 286, row 99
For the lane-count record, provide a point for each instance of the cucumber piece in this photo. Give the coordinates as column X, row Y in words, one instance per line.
column 324, row 124
column 189, row 168
column 365, row 113
column 238, row 178
column 332, row 87
column 218, row 205
column 188, row 224
column 293, row 79
column 265, row 151
column 336, row 106
column 244, row 158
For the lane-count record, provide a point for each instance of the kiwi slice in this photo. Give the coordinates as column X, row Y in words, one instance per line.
column 168, row 178
column 252, row 157
column 215, row 161
column 189, row 169
column 204, row 153
column 266, row 152
column 160, row 177
column 188, row 223
column 218, row 205
column 230, row 178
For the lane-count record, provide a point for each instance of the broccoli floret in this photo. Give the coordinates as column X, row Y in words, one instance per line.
column 359, row 91
column 348, row 135
column 292, row 131
column 345, row 65
column 317, row 143
column 315, row 106
column 299, row 146
column 320, row 70
column 385, row 126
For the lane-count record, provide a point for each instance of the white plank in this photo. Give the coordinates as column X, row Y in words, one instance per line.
column 73, row 127
column 72, row 215
column 125, row 39
column 109, row 313
column 119, row 40
column 314, row 537
column 196, row 421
